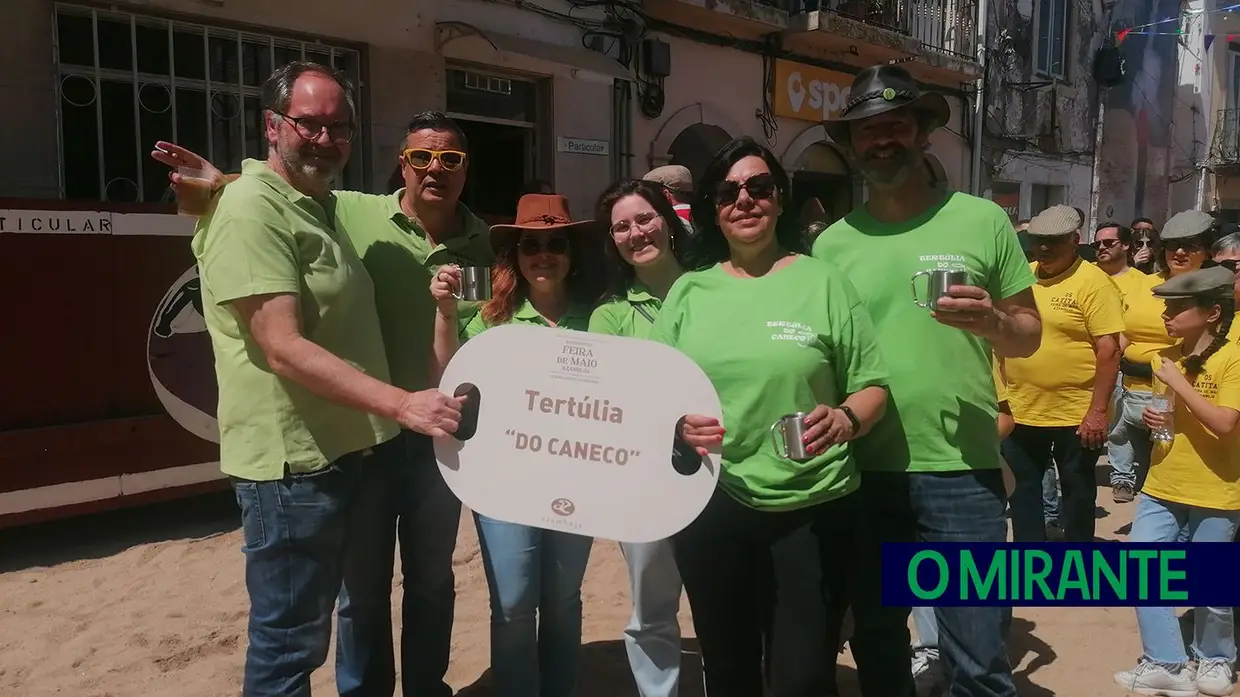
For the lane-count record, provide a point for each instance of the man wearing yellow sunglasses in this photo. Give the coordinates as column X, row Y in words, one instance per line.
column 403, row 238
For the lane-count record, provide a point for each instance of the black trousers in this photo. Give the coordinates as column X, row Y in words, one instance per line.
column 747, row 607
column 1029, row 451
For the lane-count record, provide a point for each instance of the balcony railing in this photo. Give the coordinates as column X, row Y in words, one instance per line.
column 947, row 26
column 1225, row 150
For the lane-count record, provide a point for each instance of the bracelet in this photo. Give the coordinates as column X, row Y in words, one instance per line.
column 856, row 423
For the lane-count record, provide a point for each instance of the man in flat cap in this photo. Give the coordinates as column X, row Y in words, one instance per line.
column 930, row 468
column 1060, row 394
column 677, row 183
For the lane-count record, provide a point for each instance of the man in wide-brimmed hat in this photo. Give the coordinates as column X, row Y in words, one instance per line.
column 932, row 466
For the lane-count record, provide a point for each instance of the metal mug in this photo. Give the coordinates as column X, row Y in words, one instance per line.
column 475, row 284
column 938, row 285
column 787, row 434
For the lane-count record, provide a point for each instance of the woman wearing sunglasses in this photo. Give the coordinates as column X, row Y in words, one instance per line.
column 786, row 342
column 645, row 234
column 542, row 277
column 1145, row 245
column 1182, row 248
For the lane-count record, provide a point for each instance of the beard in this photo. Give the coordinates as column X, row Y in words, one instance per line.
column 310, row 163
column 887, row 172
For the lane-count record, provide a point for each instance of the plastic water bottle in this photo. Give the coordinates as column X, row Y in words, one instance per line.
column 1163, row 402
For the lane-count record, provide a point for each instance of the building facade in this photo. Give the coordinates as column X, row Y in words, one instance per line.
column 115, row 399
column 775, row 70
column 1042, row 105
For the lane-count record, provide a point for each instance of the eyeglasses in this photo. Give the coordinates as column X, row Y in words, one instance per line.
column 310, row 128
column 1104, row 244
column 532, row 247
column 643, row 221
column 759, row 186
column 421, row 158
column 1143, row 244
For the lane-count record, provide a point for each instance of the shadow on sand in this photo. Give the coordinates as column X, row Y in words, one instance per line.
column 100, row 535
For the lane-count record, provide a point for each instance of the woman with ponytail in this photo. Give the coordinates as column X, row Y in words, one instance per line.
column 1193, row 488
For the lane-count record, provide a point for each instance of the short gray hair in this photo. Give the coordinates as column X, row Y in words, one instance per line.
column 1228, row 244
column 277, row 91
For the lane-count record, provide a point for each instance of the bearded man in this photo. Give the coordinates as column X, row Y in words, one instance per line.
column 930, row 468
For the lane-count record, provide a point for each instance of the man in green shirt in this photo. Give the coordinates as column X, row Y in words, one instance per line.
column 303, row 378
column 403, row 238
column 930, row 468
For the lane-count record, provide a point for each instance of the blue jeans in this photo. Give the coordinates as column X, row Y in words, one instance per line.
column 1050, row 496
column 295, row 531
column 1128, row 444
column 534, row 577
column 403, row 495
column 652, row 638
column 932, row 507
column 1156, row 520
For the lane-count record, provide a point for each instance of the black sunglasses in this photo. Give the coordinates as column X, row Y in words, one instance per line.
column 531, row 247
column 1104, row 244
column 759, row 186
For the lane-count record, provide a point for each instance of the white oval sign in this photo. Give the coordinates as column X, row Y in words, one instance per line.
column 575, row 432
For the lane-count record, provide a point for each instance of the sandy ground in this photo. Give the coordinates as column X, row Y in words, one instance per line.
column 150, row 602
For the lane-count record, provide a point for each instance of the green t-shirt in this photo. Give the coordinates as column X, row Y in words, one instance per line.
column 771, row 346
column 265, row 237
column 941, row 417
column 402, row 260
column 575, row 318
column 631, row 316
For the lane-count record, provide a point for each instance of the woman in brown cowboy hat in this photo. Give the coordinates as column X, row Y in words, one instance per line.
column 543, row 276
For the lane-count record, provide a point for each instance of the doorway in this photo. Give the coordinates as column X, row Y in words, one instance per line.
column 501, row 160
column 822, row 185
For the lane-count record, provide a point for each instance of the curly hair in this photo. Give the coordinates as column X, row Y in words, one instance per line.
column 509, row 288
column 621, row 273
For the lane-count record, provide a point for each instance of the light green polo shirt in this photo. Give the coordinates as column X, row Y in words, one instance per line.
column 265, row 237
column 624, row 316
column 575, row 318
column 402, row 260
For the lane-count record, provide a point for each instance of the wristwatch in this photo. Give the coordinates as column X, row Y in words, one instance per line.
column 856, row 423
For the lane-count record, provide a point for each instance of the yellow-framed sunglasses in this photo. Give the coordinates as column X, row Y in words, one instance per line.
column 421, row 158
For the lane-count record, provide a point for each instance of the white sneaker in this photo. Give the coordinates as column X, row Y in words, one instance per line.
column 927, row 675
column 1152, row 679
column 1214, row 677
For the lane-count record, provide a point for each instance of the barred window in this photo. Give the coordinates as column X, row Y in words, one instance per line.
column 126, row 81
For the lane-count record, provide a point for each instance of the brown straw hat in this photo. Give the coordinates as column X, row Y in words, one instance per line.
column 541, row 212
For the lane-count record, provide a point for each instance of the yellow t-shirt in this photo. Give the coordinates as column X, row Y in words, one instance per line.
column 1197, row 468
column 1234, row 335
column 1055, row 386
column 1001, row 392
column 1144, row 327
column 1132, row 280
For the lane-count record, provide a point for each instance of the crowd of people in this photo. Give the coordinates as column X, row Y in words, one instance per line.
column 332, row 315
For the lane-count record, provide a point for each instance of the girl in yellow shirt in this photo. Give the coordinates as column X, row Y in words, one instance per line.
column 1193, row 488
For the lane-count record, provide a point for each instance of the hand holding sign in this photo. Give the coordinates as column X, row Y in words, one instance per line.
column 576, row 432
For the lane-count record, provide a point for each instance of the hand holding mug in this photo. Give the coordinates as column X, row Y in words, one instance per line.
column 445, row 288
column 826, row 426
column 969, row 308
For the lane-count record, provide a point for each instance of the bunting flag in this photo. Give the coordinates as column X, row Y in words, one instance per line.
column 1180, row 18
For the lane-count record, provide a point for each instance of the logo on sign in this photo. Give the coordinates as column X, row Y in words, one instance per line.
column 562, row 507
column 796, row 91
column 180, row 361
column 809, row 93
